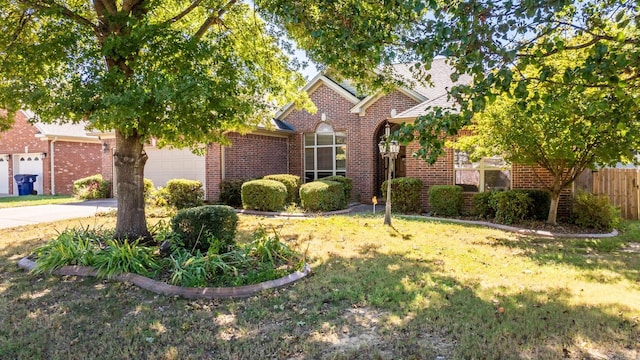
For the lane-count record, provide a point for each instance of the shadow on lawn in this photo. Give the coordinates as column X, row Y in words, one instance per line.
column 577, row 253
column 376, row 305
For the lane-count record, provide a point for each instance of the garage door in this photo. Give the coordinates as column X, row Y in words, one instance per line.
column 4, row 175
column 28, row 164
column 166, row 164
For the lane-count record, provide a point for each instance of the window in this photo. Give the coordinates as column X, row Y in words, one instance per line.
column 325, row 153
column 488, row 174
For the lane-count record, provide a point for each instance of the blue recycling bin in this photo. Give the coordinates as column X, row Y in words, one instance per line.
column 25, row 183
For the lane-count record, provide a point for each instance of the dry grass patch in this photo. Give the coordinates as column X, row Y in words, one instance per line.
column 423, row 290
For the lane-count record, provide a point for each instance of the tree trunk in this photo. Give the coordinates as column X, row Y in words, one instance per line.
column 553, row 209
column 129, row 160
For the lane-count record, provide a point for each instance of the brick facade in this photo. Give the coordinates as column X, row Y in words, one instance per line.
column 252, row 156
column 71, row 160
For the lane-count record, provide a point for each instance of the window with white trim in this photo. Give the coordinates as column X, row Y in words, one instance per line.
column 491, row 173
column 325, row 153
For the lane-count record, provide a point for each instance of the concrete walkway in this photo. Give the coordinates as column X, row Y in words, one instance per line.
column 30, row 215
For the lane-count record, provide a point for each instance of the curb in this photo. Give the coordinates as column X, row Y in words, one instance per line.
column 162, row 288
column 518, row 230
column 292, row 215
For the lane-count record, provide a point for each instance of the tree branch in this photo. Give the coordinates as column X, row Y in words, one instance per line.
column 66, row 12
column 109, row 5
column 216, row 17
column 184, row 12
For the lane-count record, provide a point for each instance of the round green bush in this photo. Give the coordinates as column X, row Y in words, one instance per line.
column 346, row 186
column 322, row 195
column 594, row 211
column 446, row 200
column 264, row 195
column 292, row 182
column 209, row 228
column 91, row 187
column 511, row 206
column 183, row 193
column 405, row 194
column 482, row 205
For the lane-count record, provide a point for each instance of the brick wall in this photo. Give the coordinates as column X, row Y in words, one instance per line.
column 74, row 160
column 362, row 151
column 213, row 172
column 252, row 156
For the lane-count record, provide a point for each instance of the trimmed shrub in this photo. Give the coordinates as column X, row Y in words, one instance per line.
column 446, row 200
column 540, row 203
column 183, row 193
column 511, row 206
column 91, row 187
column 594, row 211
column 347, row 186
column 292, row 182
column 264, row 195
column 322, row 195
column 405, row 194
column 149, row 190
column 482, row 205
column 210, row 228
column 231, row 192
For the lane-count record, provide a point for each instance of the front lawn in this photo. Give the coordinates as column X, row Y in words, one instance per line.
column 32, row 200
column 424, row 290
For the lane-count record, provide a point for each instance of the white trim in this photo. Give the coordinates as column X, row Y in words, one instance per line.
column 314, row 84
column 52, row 169
column 362, row 106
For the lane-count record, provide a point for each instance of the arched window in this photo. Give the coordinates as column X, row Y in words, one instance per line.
column 325, row 153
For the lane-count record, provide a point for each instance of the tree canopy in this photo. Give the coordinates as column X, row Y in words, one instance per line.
column 183, row 72
column 561, row 127
column 492, row 41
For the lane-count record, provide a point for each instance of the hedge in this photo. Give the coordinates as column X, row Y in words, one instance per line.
column 446, row 200
column 322, row 195
column 347, row 186
column 291, row 182
column 231, row 192
column 511, row 206
column 264, row 195
column 594, row 211
column 91, row 187
column 209, row 228
column 405, row 194
column 183, row 193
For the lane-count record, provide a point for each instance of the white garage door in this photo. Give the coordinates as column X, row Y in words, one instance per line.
column 4, row 175
column 166, row 164
column 28, row 164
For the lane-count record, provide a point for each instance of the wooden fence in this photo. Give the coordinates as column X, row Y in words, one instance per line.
column 622, row 186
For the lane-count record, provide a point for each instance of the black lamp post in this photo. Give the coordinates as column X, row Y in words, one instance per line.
column 388, row 149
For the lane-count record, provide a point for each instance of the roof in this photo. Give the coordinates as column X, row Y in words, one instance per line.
column 59, row 129
column 427, row 92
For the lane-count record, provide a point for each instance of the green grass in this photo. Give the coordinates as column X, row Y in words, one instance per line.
column 422, row 290
column 32, row 200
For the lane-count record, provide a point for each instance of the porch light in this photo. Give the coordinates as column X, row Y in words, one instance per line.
column 388, row 149
column 43, row 155
column 105, row 147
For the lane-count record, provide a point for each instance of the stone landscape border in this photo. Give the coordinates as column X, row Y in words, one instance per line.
column 162, row 288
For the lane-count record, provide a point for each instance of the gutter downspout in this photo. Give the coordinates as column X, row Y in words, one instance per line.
column 52, row 168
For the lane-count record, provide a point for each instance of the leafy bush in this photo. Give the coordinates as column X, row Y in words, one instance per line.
column 183, row 193
column 594, row 211
column 231, row 192
column 482, row 205
column 347, row 186
column 149, row 190
column 209, row 228
column 405, row 194
column 71, row 247
column 191, row 270
column 91, row 187
column 264, row 195
column 322, row 195
column 121, row 257
column 540, row 203
column 511, row 206
column 292, row 182
column 446, row 200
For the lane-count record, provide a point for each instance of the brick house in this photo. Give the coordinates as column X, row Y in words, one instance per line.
column 57, row 153
column 342, row 137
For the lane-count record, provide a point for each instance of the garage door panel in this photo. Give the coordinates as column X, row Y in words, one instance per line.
column 4, row 175
column 166, row 164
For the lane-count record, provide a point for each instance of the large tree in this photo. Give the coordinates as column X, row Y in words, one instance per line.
column 490, row 40
column 183, row 72
column 563, row 128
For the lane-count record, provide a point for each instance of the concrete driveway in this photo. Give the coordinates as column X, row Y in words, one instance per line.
column 29, row 215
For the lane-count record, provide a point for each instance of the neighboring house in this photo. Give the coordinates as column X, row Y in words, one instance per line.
column 341, row 139
column 58, row 153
